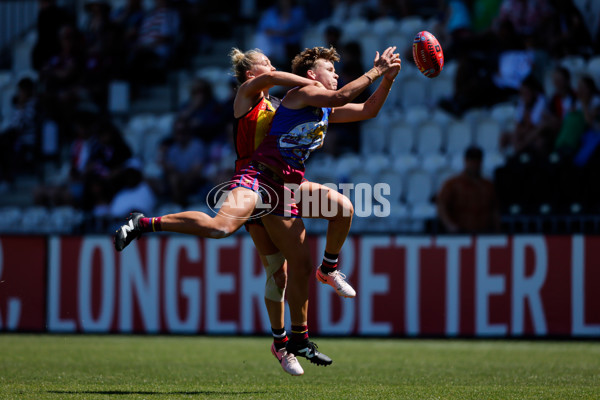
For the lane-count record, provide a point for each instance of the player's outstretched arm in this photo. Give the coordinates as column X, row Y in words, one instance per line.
column 317, row 97
column 370, row 108
column 273, row 78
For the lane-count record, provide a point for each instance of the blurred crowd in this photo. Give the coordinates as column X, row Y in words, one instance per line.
column 503, row 49
column 64, row 116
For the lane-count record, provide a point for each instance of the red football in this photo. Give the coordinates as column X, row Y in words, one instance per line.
column 428, row 54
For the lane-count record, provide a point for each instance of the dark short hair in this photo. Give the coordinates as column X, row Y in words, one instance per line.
column 473, row 153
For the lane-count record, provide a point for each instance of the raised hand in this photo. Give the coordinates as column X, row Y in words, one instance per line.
column 392, row 72
column 387, row 60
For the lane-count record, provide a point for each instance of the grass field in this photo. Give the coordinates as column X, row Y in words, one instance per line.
column 182, row 367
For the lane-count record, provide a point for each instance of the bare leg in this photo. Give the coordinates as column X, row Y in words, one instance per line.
column 289, row 236
column 265, row 246
column 232, row 215
column 338, row 210
column 318, row 201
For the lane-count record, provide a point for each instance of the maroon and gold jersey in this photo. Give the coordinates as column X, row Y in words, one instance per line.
column 252, row 128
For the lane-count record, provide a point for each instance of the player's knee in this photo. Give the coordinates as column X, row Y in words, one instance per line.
column 305, row 268
column 346, row 209
column 223, row 229
column 221, row 232
column 276, row 278
column 280, row 277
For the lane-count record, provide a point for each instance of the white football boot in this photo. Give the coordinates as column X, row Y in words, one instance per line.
column 337, row 280
column 288, row 361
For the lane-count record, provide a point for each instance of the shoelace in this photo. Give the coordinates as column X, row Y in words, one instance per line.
column 339, row 278
column 290, row 358
column 313, row 346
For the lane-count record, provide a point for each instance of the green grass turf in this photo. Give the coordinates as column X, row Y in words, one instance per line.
column 183, row 367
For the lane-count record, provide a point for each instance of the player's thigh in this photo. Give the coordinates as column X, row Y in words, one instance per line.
column 265, row 247
column 330, row 203
column 289, row 235
column 262, row 241
column 237, row 208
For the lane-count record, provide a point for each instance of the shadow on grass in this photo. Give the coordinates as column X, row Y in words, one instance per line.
column 128, row 392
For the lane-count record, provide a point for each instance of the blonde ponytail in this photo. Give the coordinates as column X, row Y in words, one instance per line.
column 242, row 62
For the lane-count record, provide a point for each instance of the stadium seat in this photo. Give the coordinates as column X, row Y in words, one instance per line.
column 345, row 165
column 404, row 162
column 152, row 170
column 312, row 38
column 390, row 116
column 433, row 162
column 418, row 213
column 442, row 117
column 6, row 96
column 140, row 123
column 429, row 138
column 320, row 164
column 118, row 97
column 22, row 49
column 410, row 25
column 398, row 220
column 403, row 47
column 369, row 44
column 213, row 74
column 441, row 87
column 487, row 134
column 64, row 219
column 458, row 137
column 394, row 180
column 593, row 68
column 576, row 65
column 363, row 176
column 373, row 224
column 491, row 161
column 415, row 115
column 450, row 68
column 6, row 76
column 402, row 139
column 222, row 90
column 375, row 163
column 353, row 29
column 457, row 161
column 424, row 210
column 34, row 220
column 384, row 26
column 504, row 113
column 473, row 115
column 151, row 143
column 373, row 137
column 418, row 187
column 164, row 123
column 413, row 92
column 184, row 81
column 10, row 219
